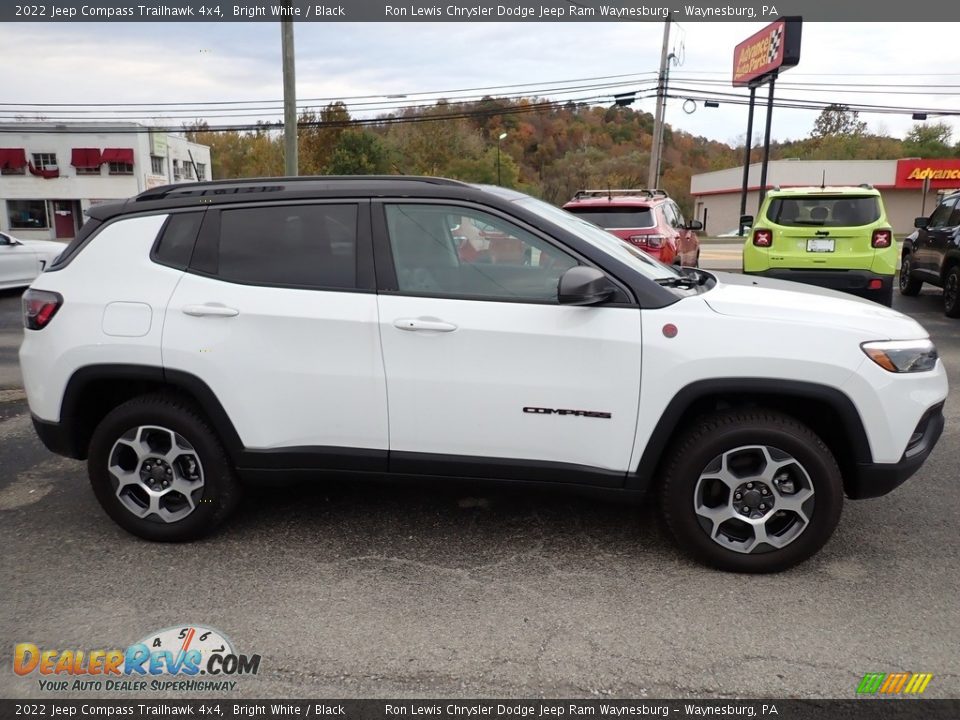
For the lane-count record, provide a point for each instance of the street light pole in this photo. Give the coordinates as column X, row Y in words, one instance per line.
column 291, row 163
column 499, row 140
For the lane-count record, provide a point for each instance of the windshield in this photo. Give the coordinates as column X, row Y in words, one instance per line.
column 600, row 239
column 824, row 211
column 616, row 218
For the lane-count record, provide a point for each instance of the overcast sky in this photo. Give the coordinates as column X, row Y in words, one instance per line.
column 199, row 62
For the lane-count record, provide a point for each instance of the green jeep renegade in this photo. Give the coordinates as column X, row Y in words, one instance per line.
column 835, row 237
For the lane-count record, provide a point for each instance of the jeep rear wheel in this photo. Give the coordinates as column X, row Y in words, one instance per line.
column 951, row 292
column 751, row 491
column 159, row 471
column 909, row 286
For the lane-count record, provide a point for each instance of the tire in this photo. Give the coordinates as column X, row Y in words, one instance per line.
column 161, row 442
column 909, row 286
column 782, row 460
column 951, row 292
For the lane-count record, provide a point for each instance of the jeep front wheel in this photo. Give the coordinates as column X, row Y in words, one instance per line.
column 159, row 471
column 909, row 286
column 751, row 491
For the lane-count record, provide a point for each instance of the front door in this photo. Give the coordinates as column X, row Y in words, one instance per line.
column 18, row 264
column 487, row 374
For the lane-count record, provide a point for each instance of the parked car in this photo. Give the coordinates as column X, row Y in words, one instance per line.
column 647, row 219
column 932, row 254
column 834, row 237
column 200, row 336
column 22, row 260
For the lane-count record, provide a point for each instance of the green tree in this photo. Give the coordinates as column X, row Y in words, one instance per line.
column 359, row 152
column 838, row 120
column 930, row 141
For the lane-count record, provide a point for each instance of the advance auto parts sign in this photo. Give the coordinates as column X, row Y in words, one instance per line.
column 762, row 55
column 942, row 174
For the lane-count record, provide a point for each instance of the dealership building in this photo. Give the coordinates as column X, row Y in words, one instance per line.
column 50, row 173
column 910, row 187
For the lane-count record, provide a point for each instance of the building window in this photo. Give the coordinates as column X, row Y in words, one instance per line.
column 27, row 214
column 45, row 161
column 201, row 171
column 176, row 169
column 156, row 165
column 187, row 170
column 88, row 171
column 119, row 168
column 13, row 171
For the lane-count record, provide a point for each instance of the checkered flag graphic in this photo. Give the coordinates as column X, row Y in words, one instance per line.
column 776, row 38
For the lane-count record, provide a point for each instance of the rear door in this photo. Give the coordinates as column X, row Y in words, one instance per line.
column 277, row 314
column 487, row 374
column 829, row 232
column 18, row 264
column 934, row 239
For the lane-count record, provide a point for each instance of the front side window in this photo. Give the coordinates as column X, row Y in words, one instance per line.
column 824, row 211
column 27, row 214
column 310, row 246
column 461, row 252
column 941, row 216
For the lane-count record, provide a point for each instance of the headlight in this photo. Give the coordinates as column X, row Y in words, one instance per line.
column 902, row 356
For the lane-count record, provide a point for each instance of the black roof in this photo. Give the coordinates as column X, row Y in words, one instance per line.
column 218, row 192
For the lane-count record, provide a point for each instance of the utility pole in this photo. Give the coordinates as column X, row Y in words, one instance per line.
column 291, row 164
column 654, row 174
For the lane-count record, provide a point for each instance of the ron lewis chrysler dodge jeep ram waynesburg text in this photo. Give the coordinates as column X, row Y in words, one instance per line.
column 200, row 336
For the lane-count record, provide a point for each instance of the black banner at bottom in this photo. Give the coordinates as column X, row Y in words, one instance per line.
column 864, row 709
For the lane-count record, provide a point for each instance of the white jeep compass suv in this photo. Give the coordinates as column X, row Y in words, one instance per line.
column 197, row 337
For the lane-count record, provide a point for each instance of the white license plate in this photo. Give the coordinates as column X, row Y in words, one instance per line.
column 820, row 245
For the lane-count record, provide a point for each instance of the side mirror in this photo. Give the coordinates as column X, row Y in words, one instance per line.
column 746, row 220
column 583, row 285
column 694, row 225
column 921, row 222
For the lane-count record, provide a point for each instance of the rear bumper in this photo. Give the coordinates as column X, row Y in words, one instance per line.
column 856, row 282
column 58, row 437
column 876, row 479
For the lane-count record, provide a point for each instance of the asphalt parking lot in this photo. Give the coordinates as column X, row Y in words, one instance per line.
column 372, row 590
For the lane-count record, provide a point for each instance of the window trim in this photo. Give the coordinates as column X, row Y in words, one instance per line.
column 206, row 250
column 388, row 284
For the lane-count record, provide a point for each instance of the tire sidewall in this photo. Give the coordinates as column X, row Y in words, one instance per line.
column 954, row 309
column 219, row 490
column 808, row 451
column 905, row 268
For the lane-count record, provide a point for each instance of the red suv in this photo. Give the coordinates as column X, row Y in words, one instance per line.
column 648, row 219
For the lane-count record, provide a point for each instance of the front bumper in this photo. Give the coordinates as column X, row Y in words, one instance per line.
column 876, row 479
column 855, row 282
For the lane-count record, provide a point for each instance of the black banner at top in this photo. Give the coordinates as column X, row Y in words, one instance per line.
column 217, row 11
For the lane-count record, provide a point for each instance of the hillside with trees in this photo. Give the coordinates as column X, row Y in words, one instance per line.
column 550, row 150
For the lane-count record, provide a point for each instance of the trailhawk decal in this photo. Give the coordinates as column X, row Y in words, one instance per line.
column 576, row 413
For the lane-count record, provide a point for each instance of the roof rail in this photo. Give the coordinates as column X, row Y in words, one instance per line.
column 275, row 184
column 621, row 192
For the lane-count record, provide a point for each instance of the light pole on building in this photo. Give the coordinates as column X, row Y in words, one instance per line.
column 499, row 140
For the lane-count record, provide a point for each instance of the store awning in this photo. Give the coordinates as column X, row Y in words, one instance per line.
column 12, row 158
column 117, row 155
column 85, row 157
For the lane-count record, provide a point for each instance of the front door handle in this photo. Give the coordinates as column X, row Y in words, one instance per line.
column 421, row 323
column 210, row 310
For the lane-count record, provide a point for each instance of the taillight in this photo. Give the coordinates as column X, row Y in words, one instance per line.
column 39, row 307
column 763, row 238
column 881, row 238
column 653, row 241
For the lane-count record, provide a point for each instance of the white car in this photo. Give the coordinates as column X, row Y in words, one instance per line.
column 196, row 337
column 22, row 260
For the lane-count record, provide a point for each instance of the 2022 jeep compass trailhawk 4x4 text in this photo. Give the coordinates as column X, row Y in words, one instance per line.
column 200, row 336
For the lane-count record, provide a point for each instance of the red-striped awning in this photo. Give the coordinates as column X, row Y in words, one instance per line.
column 12, row 158
column 85, row 158
column 117, row 155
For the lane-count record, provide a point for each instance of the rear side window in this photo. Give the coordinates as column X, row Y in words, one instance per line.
column 824, row 211
column 312, row 246
column 616, row 218
column 177, row 239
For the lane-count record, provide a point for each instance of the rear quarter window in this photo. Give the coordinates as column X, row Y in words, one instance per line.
column 824, row 211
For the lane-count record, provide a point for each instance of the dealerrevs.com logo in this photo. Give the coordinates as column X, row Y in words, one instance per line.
column 188, row 658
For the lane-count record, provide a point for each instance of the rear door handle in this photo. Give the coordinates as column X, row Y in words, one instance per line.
column 210, row 310
column 414, row 324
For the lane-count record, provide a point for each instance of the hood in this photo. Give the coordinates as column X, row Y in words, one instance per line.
column 757, row 297
column 43, row 245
